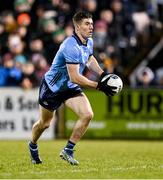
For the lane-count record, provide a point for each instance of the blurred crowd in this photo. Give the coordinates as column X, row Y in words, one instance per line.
column 32, row 30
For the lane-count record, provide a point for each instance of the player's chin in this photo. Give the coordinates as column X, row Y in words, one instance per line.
column 90, row 35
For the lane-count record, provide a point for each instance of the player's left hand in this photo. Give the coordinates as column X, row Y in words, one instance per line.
column 102, row 86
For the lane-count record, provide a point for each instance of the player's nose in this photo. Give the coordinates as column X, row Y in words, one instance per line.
column 91, row 27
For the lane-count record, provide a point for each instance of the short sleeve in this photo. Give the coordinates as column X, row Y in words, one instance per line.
column 71, row 54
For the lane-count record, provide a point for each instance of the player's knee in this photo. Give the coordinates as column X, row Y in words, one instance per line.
column 88, row 116
column 86, row 119
column 44, row 125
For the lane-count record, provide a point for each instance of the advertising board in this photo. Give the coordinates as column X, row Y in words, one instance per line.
column 18, row 111
column 133, row 113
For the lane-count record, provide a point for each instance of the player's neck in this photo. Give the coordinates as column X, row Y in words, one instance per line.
column 84, row 41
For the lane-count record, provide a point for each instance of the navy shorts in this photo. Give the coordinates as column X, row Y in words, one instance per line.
column 50, row 100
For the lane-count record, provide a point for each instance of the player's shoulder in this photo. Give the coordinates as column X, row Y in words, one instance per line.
column 68, row 44
column 70, row 41
column 90, row 41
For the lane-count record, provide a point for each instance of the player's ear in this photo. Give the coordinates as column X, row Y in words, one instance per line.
column 77, row 26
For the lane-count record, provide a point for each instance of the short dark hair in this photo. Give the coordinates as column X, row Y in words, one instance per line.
column 81, row 15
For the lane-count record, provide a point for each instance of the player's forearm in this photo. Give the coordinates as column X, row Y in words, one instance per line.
column 94, row 66
column 84, row 82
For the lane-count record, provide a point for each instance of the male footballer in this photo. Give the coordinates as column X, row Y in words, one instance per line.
column 61, row 84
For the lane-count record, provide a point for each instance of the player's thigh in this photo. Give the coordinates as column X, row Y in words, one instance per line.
column 45, row 114
column 80, row 105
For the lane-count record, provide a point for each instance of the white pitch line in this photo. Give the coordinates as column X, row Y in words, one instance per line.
column 129, row 168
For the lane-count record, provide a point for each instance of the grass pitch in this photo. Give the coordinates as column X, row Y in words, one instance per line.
column 98, row 160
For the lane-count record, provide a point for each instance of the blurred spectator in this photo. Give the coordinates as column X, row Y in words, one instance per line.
column 100, row 35
column 15, row 44
column 20, row 60
column 89, row 5
column 58, row 36
column 31, row 32
column 29, row 79
column 23, row 19
column 107, row 16
column 145, row 77
column 116, row 6
column 69, row 30
column 48, row 25
column 40, row 65
column 9, row 21
column 36, row 45
column 23, row 33
column 142, row 22
column 23, row 30
column 9, row 74
column 112, row 64
column 22, row 6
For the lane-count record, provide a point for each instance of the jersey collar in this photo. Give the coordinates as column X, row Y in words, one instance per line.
column 78, row 39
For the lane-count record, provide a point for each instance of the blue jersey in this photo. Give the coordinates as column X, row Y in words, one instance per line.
column 71, row 51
